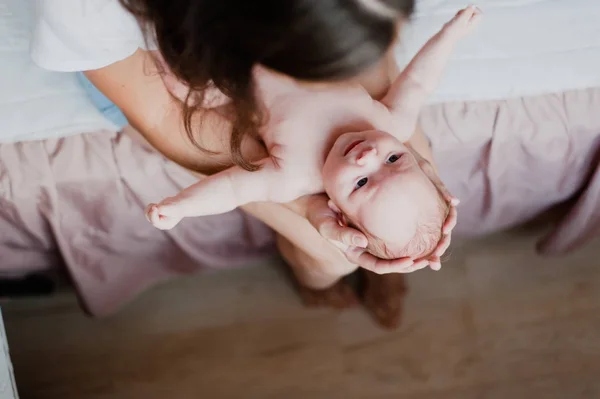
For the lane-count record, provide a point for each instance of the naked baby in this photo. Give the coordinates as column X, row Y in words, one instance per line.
column 340, row 141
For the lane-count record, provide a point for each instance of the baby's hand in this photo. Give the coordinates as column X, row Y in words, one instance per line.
column 463, row 23
column 162, row 216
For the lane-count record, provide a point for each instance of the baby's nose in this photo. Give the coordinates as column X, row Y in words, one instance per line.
column 365, row 155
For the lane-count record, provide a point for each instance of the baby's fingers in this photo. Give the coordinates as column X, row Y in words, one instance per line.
column 152, row 214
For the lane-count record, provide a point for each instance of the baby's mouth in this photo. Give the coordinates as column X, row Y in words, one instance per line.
column 351, row 146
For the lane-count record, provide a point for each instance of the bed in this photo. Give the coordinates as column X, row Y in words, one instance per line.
column 73, row 190
column 515, row 123
column 515, row 129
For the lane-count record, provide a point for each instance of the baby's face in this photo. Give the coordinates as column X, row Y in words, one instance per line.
column 375, row 180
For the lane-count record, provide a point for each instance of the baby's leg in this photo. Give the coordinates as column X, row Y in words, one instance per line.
column 384, row 296
column 317, row 264
column 317, row 287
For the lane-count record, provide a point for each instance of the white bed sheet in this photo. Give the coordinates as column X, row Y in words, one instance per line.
column 521, row 48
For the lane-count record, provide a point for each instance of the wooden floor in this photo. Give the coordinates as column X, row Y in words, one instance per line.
column 497, row 322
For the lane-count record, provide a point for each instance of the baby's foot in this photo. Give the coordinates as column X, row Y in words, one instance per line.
column 384, row 297
column 464, row 22
column 163, row 217
column 339, row 296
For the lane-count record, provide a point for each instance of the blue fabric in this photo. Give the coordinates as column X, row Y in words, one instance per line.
column 104, row 105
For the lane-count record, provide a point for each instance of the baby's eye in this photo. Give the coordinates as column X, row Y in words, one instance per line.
column 393, row 158
column 361, row 183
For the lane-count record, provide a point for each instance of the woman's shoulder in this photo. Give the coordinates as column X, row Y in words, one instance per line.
column 79, row 35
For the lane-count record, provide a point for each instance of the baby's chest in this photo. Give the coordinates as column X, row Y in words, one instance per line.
column 301, row 166
column 310, row 120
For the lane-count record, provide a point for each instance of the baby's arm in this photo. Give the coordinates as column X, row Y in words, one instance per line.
column 422, row 75
column 219, row 193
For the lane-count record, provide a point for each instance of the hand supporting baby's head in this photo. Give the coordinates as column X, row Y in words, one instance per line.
column 423, row 242
column 377, row 186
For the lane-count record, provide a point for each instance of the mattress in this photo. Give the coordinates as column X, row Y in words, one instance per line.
column 35, row 103
column 521, row 48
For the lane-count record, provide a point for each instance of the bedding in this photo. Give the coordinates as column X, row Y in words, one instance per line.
column 515, row 122
column 35, row 103
column 73, row 200
column 521, row 48
column 78, row 202
column 510, row 160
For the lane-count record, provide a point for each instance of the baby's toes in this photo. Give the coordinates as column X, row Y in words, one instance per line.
column 383, row 298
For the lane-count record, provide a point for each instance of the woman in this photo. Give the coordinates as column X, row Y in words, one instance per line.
column 211, row 47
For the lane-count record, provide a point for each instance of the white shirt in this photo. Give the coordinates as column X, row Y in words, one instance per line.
column 79, row 35
column 58, row 104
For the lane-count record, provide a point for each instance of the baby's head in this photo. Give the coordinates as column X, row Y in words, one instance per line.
column 376, row 184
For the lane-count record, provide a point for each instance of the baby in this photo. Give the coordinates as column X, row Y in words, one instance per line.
column 341, row 141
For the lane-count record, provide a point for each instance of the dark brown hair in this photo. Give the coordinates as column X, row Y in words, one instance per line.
column 216, row 43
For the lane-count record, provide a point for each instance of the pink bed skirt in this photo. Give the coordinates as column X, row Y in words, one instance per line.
column 508, row 161
column 79, row 201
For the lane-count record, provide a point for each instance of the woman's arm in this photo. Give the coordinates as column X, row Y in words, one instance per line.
column 136, row 87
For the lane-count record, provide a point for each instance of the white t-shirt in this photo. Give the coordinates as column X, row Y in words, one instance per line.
column 59, row 105
column 79, row 35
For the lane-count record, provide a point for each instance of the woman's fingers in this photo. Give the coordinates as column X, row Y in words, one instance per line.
column 450, row 222
column 331, row 230
column 434, row 259
column 420, row 264
column 326, row 222
column 442, row 246
column 380, row 266
column 435, row 263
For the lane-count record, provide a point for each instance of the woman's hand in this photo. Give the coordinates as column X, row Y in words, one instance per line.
column 406, row 265
column 353, row 242
column 327, row 223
